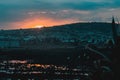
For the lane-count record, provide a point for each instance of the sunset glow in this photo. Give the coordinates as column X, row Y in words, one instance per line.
column 16, row 14
column 39, row 26
column 40, row 22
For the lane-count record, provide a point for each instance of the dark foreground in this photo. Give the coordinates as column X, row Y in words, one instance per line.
column 53, row 64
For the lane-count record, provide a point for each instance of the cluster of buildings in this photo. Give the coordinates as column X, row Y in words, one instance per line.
column 55, row 36
column 53, row 39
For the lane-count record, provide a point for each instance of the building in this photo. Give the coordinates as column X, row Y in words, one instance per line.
column 9, row 43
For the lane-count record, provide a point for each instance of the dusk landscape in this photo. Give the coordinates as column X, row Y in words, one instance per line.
column 59, row 40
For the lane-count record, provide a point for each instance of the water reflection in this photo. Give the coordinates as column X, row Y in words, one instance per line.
column 34, row 71
column 30, row 70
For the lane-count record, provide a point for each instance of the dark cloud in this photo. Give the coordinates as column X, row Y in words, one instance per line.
column 58, row 4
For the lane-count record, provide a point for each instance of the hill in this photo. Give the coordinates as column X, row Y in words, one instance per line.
column 75, row 28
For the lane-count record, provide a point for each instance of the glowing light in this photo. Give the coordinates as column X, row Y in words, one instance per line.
column 39, row 26
column 18, row 61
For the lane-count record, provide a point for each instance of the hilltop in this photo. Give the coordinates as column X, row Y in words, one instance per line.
column 95, row 27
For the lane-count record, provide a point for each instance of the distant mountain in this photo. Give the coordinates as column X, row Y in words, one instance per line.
column 75, row 29
column 93, row 26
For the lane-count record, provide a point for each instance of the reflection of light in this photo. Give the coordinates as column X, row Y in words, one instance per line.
column 18, row 61
column 38, row 65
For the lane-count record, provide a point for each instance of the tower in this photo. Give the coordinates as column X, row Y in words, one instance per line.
column 114, row 31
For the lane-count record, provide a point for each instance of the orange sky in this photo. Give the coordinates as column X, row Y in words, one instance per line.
column 32, row 23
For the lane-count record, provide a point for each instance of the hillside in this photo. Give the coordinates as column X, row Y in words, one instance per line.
column 76, row 28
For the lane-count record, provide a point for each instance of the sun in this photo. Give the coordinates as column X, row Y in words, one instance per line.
column 38, row 26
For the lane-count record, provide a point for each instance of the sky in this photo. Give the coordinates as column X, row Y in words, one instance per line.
column 16, row 14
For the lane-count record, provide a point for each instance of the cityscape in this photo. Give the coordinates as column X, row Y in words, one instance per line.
column 59, row 40
column 63, row 54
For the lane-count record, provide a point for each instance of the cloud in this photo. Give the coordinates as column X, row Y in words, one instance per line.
column 58, row 4
column 16, row 11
